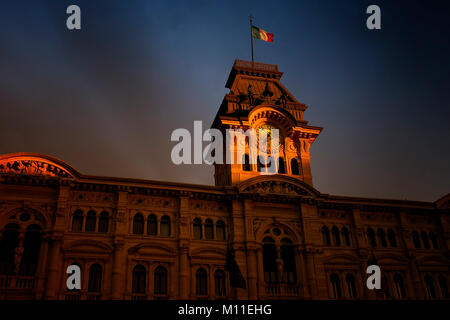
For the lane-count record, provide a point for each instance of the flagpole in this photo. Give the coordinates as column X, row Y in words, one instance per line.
column 251, row 38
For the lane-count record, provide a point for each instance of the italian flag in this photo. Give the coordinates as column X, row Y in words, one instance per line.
column 259, row 33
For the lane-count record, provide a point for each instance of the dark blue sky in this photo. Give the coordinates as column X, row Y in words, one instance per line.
column 106, row 99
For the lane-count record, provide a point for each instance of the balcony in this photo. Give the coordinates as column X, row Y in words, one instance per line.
column 17, row 282
column 77, row 295
column 282, row 290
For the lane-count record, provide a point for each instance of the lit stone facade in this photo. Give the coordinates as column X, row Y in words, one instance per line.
column 137, row 239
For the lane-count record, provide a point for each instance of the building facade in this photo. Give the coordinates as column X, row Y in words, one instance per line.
column 137, row 239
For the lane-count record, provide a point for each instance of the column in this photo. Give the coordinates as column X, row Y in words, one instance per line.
column 252, row 274
column 117, row 272
column 303, row 275
column 54, row 270
column 260, row 274
column 184, row 273
column 43, row 256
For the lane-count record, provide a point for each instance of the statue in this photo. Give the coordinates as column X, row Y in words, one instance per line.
column 18, row 258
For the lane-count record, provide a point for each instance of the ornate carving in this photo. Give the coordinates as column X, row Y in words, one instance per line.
column 275, row 187
column 153, row 202
column 33, row 167
column 256, row 225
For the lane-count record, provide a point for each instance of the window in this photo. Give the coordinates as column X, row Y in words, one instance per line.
column 197, row 228
column 91, row 221
column 209, row 229
column 326, row 236
column 382, row 237
column 219, row 281
column 371, row 237
column 103, row 224
column 288, row 257
column 351, row 286
column 270, row 165
column 443, row 286
column 336, row 236
column 294, row 167
column 160, row 280
column 246, row 165
column 202, row 283
column 269, row 261
column 220, row 230
column 429, row 284
column 31, row 246
column 262, row 164
column 138, row 224
column 9, row 242
column 95, row 278
column 281, row 168
column 346, row 236
column 77, row 221
column 152, row 226
column 416, row 239
column 426, row 243
column 399, row 287
column 434, row 241
column 139, row 279
column 391, row 238
column 385, row 287
column 165, row 226
column 335, row 286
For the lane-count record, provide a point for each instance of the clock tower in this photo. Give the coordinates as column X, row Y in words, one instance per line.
column 257, row 100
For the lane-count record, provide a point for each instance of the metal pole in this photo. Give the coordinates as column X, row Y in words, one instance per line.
column 251, row 38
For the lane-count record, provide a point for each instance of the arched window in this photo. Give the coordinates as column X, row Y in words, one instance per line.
column 201, row 282
column 434, row 241
column 160, row 280
column 246, row 164
column 391, row 238
column 138, row 224
column 336, row 236
column 382, row 237
column 288, row 257
column 416, row 239
column 9, row 242
column 219, row 282
column 220, row 230
column 443, row 286
column 281, row 168
column 346, row 236
column 152, row 225
column 209, row 229
column 429, row 284
column 197, row 228
column 95, row 278
column 426, row 243
column 385, row 287
column 77, row 221
column 371, row 237
column 139, row 279
column 294, row 167
column 91, row 221
column 326, row 236
column 399, row 287
column 351, row 286
column 165, row 226
column 335, row 286
column 262, row 164
column 103, row 223
column 32, row 246
column 269, row 261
